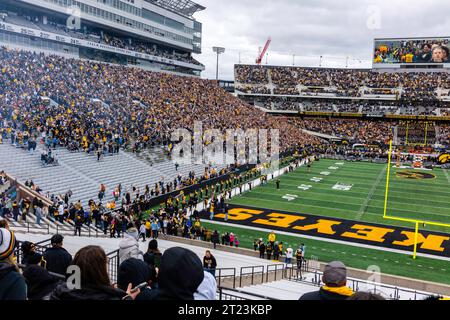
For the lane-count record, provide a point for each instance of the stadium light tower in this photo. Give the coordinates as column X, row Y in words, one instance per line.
column 218, row 51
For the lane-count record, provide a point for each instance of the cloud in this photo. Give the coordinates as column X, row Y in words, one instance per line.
column 310, row 29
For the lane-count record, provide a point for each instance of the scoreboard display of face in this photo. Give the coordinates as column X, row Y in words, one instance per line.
column 411, row 51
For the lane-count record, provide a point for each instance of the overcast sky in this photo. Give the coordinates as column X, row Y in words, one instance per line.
column 334, row 29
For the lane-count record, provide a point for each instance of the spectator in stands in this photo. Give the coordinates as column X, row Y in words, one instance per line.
column 289, row 254
column 335, row 280
column 136, row 272
column 269, row 250
column 78, row 224
column 215, row 238
column 4, row 224
column 129, row 246
column 207, row 289
column 210, row 263
column 57, row 258
column 272, row 237
column 153, row 258
column 142, row 231
column 180, row 275
column 29, row 254
column 262, row 249
column 95, row 283
column 12, row 283
column 40, row 282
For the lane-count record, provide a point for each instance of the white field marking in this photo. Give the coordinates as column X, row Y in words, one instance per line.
column 325, row 173
column 304, row 187
column 339, row 163
column 446, row 175
column 315, row 179
column 342, row 187
column 290, row 197
column 333, row 168
column 364, row 205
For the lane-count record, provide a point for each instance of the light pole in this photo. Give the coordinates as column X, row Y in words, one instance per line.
column 218, row 51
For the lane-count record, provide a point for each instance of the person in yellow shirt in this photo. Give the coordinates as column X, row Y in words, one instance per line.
column 272, row 237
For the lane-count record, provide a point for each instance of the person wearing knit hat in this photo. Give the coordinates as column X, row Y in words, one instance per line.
column 335, row 280
column 12, row 283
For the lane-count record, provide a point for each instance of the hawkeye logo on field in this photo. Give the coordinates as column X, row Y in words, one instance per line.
column 415, row 175
column 345, row 230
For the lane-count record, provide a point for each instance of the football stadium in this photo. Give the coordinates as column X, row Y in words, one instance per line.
column 130, row 169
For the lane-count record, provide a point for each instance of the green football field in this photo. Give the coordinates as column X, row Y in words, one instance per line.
column 356, row 191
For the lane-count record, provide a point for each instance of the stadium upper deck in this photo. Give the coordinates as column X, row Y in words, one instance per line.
column 359, row 91
column 153, row 35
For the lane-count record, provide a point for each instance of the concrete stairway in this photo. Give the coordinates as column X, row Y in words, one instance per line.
column 83, row 174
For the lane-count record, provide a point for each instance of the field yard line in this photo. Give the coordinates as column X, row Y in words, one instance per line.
column 363, row 207
column 446, row 174
column 353, row 244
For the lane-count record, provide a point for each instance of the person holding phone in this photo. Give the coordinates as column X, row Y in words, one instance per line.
column 139, row 275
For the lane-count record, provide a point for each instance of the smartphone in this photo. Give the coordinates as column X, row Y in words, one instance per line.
column 142, row 285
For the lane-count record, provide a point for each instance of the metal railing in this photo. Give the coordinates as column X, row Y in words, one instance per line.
column 224, row 294
column 253, row 273
column 275, row 268
column 357, row 284
column 113, row 265
column 221, row 276
column 41, row 247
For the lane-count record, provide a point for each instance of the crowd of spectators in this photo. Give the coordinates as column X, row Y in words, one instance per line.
column 137, row 108
column 407, row 86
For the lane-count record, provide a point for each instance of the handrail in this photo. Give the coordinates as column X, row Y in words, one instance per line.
column 236, row 297
column 276, row 267
column 220, row 276
column 252, row 273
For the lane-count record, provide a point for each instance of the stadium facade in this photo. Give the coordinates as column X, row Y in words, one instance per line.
column 159, row 35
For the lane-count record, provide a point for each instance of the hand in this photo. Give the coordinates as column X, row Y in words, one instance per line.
column 132, row 294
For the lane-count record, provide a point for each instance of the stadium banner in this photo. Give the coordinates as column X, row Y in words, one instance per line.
column 383, row 236
column 411, row 51
column 91, row 44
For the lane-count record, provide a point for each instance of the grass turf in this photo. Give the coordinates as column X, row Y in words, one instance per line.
column 426, row 199
column 360, row 258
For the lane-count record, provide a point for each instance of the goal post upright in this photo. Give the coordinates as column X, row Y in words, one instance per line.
column 416, row 222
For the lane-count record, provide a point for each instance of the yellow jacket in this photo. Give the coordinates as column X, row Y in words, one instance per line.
column 272, row 237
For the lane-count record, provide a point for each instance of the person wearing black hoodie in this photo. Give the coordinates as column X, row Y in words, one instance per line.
column 136, row 272
column 40, row 282
column 180, row 275
column 57, row 258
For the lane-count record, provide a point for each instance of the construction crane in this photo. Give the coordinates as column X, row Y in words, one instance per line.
column 263, row 52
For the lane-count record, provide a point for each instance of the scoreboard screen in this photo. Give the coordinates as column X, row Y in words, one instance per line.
column 411, row 51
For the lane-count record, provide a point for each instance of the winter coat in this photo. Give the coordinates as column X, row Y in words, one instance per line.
column 180, row 275
column 40, row 283
column 12, row 283
column 129, row 248
column 63, row 293
column 58, row 260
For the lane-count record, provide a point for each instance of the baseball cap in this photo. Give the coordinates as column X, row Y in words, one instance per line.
column 335, row 273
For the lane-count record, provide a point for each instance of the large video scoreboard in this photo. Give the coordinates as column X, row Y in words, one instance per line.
column 412, row 52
